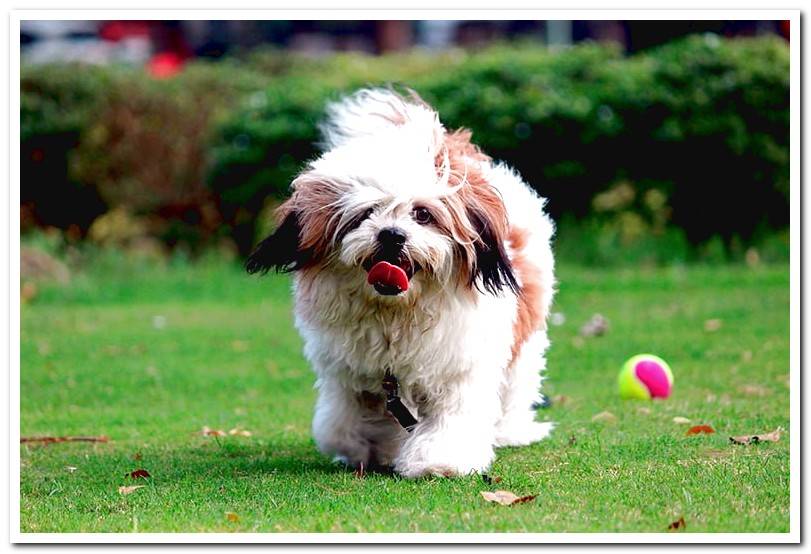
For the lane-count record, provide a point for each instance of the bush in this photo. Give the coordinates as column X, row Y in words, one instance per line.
column 703, row 122
column 56, row 102
column 135, row 142
column 680, row 143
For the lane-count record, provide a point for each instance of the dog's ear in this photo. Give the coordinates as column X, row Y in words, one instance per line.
column 280, row 251
column 492, row 271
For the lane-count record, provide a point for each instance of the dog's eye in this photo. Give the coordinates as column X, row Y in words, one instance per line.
column 422, row 215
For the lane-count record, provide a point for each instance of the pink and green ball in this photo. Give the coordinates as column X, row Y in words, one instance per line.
column 644, row 377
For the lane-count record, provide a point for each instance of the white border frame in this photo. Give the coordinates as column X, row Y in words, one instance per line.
column 793, row 536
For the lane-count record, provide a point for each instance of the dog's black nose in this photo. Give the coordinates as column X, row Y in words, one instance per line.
column 391, row 237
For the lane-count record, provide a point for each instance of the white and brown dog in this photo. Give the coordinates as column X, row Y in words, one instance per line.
column 423, row 278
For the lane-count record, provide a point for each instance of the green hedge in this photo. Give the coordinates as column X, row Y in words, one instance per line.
column 95, row 138
column 703, row 122
column 691, row 136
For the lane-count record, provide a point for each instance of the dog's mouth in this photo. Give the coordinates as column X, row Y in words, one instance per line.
column 389, row 275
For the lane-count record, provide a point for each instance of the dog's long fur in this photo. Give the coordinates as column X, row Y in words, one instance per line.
column 467, row 339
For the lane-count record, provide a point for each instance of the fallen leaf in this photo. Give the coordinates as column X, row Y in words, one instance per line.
column 506, row 498
column 129, row 489
column 231, row 516
column 560, row 399
column 240, row 432
column 699, row 429
column 49, row 440
column 644, row 410
column 139, row 474
column 71, row 469
column 774, row 436
column 681, row 420
column 209, row 432
column 754, row 390
column 676, row 525
column 572, row 440
column 712, row 325
column 137, row 457
column 605, row 417
column 594, row 327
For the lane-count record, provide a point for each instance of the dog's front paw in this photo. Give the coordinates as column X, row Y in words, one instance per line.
column 435, row 458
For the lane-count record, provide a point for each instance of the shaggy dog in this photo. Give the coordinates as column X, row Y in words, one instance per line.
column 423, row 278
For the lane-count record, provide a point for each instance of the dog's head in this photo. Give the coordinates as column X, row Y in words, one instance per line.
column 394, row 200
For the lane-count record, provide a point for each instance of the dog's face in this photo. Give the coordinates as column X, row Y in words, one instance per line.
column 396, row 204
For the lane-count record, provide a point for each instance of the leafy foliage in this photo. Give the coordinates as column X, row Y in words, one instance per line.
column 685, row 120
column 689, row 140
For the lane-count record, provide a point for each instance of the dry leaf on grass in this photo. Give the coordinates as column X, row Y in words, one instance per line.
column 754, row 390
column 774, row 436
column 139, row 474
column 700, row 429
column 137, row 457
column 209, row 432
column 681, row 420
column 240, row 432
column 71, row 469
column 490, row 480
column 605, row 417
column 129, row 489
column 644, row 410
column 560, row 400
column 506, row 498
column 49, row 440
column 676, row 525
column 594, row 327
column 231, row 516
column 712, row 325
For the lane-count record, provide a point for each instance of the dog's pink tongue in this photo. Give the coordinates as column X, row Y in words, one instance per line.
column 384, row 273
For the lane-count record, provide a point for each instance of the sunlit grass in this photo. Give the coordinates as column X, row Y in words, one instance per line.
column 150, row 357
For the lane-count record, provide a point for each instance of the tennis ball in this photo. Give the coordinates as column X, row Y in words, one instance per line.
column 645, row 376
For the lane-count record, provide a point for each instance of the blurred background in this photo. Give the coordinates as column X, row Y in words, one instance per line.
column 656, row 142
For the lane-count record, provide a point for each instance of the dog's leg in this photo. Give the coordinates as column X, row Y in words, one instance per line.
column 521, row 389
column 455, row 434
column 338, row 424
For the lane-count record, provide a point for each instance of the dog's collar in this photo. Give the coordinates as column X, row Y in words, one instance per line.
column 395, row 406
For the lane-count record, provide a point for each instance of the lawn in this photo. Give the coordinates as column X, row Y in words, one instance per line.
column 148, row 357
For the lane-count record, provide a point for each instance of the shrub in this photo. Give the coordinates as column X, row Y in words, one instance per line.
column 56, row 102
column 139, row 143
column 702, row 121
column 691, row 138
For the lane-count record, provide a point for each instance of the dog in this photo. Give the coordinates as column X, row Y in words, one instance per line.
column 423, row 277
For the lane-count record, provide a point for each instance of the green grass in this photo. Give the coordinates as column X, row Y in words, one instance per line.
column 97, row 361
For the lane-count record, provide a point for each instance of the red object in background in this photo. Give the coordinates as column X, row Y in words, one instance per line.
column 785, row 28
column 117, row 30
column 165, row 64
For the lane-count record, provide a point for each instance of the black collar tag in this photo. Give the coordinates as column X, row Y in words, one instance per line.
column 394, row 405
